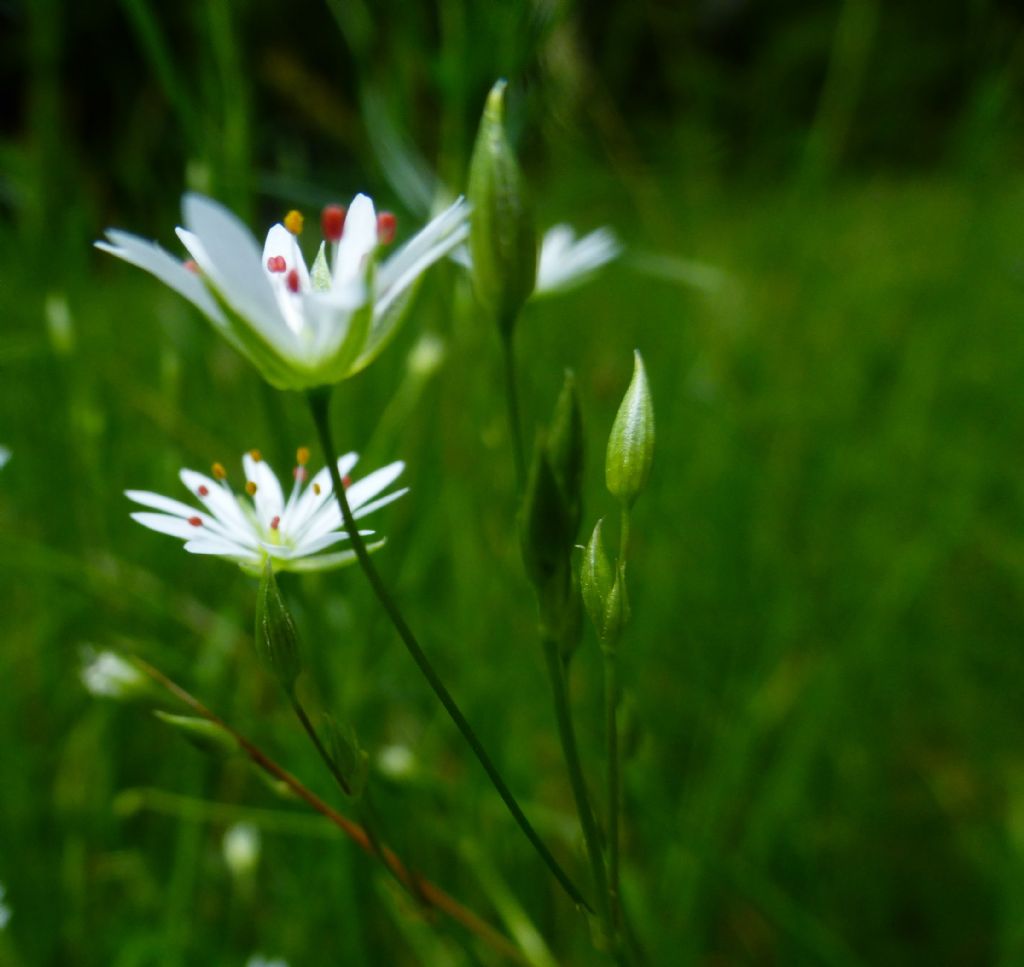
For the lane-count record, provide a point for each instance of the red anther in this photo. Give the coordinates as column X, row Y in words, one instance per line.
column 386, row 225
column 196, row 521
column 275, row 523
column 292, row 280
column 190, row 264
column 300, row 474
column 332, row 222
column 203, row 490
column 346, row 481
column 276, row 263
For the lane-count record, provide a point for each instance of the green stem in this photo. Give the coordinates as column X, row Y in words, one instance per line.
column 318, row 403
column 567, row 735
column 332, row 767
column 515, row 423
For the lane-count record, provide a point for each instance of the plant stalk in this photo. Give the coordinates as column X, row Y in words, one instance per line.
column 318, row 403
column 515, row 422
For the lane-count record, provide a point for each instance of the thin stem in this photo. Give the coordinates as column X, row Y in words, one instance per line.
column 567, row 735
column 362, row 806
column 515, row 423
column 318, row 403
column 611, row 694
column 332, row 767
column 434, row 895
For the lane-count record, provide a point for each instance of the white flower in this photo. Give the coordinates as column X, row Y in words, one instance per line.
column 566, row 261
column 301, row 327
column 290, row 532
column 107, row 675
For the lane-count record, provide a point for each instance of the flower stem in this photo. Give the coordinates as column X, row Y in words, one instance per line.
column 612, row 690
column 364, row 812
column 515, row 423
column 318, row 403
column 434, row 895
column 570, row 750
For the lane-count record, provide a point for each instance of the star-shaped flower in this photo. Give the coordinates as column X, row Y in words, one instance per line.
column 302, row 327
column 291, row 532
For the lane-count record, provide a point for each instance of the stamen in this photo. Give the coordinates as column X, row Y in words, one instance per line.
column 275, row 523
column 190, row 264
column 196, row 521
column 292, row 281
column 293, row 222
column 219, row 472
column 300, row 474
column 276, row 263
column 332, row 222
column 346, row 481
column 316, row 489
column 203, row 490
column 386, row 226
column 256, row 455
column 302, row 456
column 250, row 488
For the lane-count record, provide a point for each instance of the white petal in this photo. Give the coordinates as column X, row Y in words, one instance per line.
column 222, row 548
column 357, row 241
column 311, row 501
column 565, row 263
column 372, row 484
column 223, row 505
column 269, row 498
column 231, row 258
column 165, row 524
column 159, row 502
column 378, row 503
column 169, row 270
column 281, row 242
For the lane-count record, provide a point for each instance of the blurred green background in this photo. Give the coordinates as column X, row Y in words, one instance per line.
column 823, row 209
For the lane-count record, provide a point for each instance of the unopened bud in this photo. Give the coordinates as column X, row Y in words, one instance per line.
column 352, row 762
column 277, row 642
column 502, row 238
column 631, row 442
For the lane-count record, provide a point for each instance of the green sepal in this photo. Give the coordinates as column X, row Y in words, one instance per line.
column 277, row 641
column 631, row 442
column 502, row 236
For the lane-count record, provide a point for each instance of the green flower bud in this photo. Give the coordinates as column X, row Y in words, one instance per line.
column 565, row 451
column 596, row 579
column 205, row 735
column 502, row 238
column 277, row 642
column 631, row 442
column 352, row 762
column 543, row 524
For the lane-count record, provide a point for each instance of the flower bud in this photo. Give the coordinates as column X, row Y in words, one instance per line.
column 565, row 451
column 502, row 238
column 205, row 735
column 106, row 674
column 543, row 525
column 596, row 579
column 631, row 442
column 352, row 762
column 277, row 642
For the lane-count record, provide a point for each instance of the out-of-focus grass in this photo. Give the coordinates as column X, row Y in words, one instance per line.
column 824, row 667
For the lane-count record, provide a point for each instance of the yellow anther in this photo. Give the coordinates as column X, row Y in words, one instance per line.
column 219, row 472
column 293, row 222
column 256, row 455
column 250, row 488
column 316, row 489
column 302, row 456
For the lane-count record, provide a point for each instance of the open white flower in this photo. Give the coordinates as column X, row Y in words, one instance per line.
column 105, row 674
column 249, row 529
column 566, row 262
column 301, row 327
